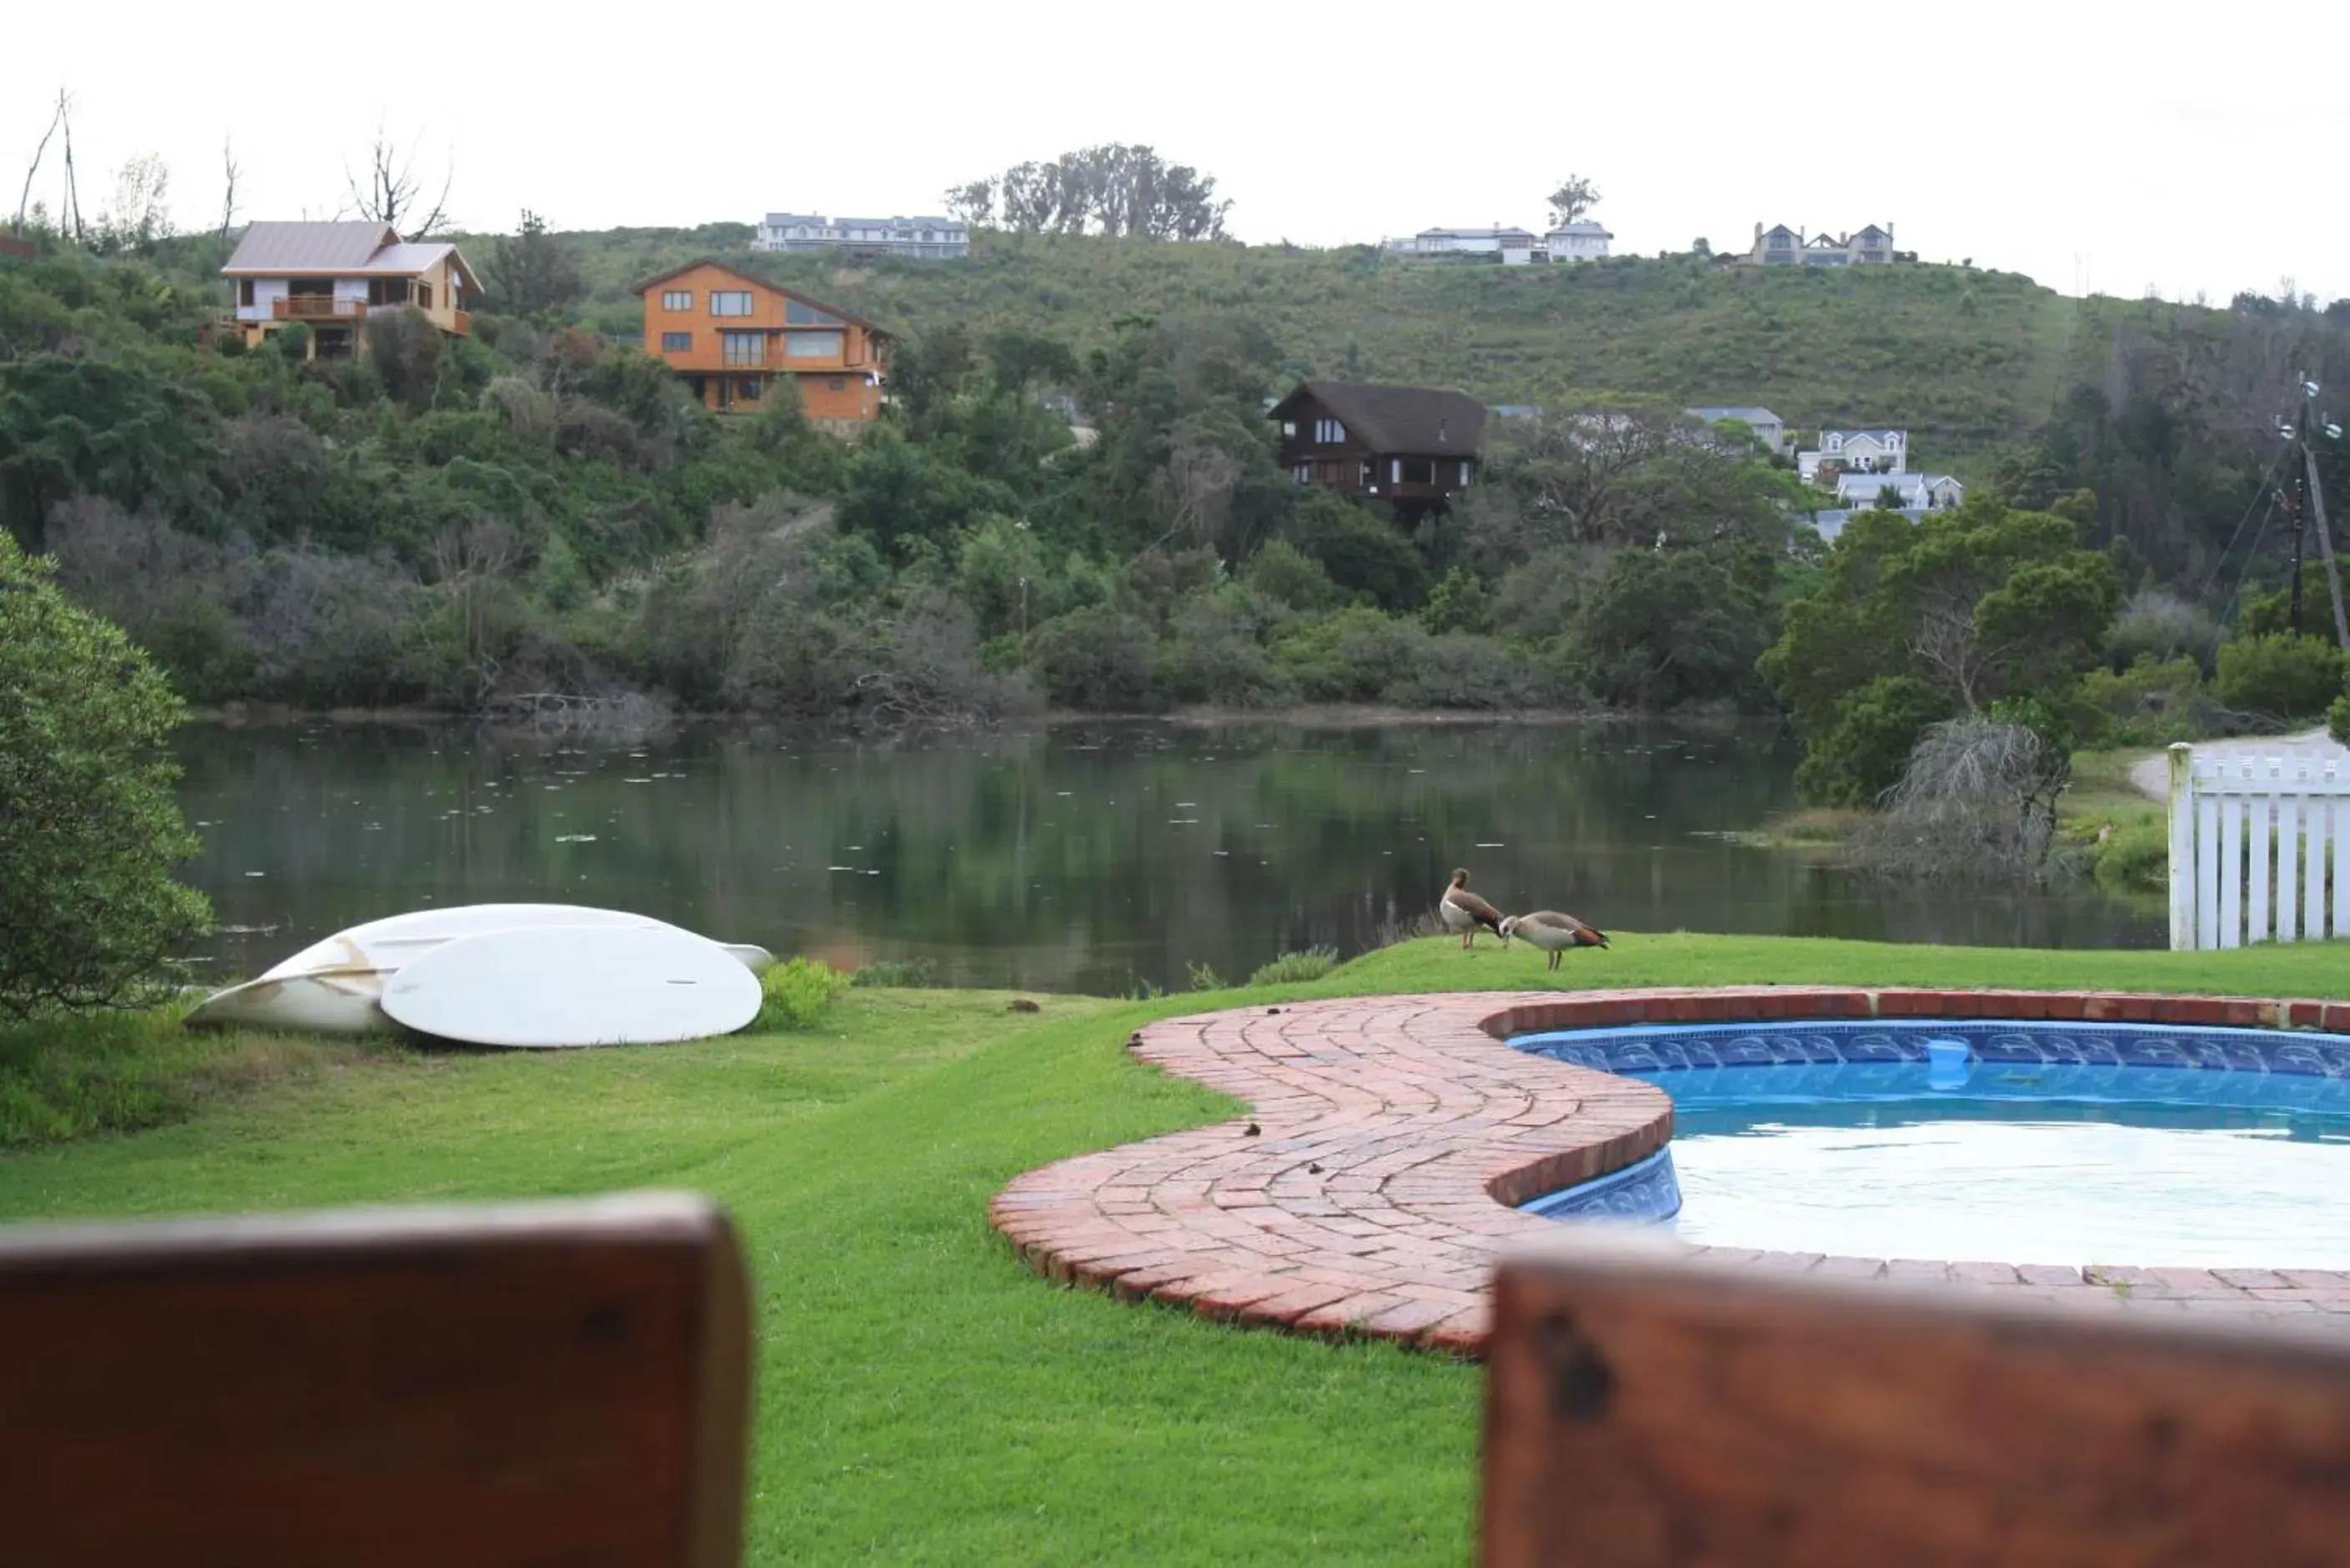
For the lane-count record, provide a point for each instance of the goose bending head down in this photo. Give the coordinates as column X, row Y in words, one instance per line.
column 1553, row 932
column 1464, row 912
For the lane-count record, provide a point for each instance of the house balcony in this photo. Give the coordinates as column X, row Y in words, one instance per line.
column 315, row 308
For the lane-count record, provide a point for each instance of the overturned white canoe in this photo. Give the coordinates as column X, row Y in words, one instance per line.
column 389, row 943
column 335, row 986
column 549, row 988
column 325, row 1001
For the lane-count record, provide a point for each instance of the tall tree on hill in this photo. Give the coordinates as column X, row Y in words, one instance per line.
column 1575, row 196
column 535, row 270
column 1113, row 189
column 974, row 203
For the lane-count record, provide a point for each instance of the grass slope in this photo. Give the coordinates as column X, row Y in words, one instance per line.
column 921, row 1397
column 1966, row 359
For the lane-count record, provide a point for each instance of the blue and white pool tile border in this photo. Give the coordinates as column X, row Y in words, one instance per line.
column 1665, row 1047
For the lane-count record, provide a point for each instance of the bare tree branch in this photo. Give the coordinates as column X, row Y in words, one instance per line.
column 25, row 200
column 393, row 189
column 228, row 197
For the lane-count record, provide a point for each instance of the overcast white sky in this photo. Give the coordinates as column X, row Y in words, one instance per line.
column 2129, row 145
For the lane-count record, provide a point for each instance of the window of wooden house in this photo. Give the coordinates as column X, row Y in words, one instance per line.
column 812, row 344
column 1303, row 472
column 676, row 342
column 752, row 388
column 677, row 299
column 244, row 291
column 423, row 296
column 1363, row 481
column 742, row 347
column 1466, row 468
column 1416, row 471
column 1329, row 433
column 837, row 383
column 799, row 312
column 730, row 302
column 1289, row 430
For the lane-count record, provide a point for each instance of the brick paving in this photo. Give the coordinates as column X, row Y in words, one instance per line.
column 1374, row 1176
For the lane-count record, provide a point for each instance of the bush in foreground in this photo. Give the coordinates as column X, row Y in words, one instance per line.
column 798, row 993
column 1291, row 968
column 89, row 915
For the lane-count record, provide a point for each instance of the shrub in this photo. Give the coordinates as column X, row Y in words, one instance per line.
column 89, row 915
column 2136, row 858
column 1292, row 968
column 2279, row 675
column 900, row 974
column 798, row 993
column 2152, row 704
column 2156, row 625
column 1875, row 729
column 1287, row 575
column 1362, row 550
column 1203, row 976
column 1977, row 801
column 1094, row 660
column 1353, row 655
column 2337, row 719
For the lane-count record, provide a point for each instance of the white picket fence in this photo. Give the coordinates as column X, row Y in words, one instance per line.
column 2251, row 841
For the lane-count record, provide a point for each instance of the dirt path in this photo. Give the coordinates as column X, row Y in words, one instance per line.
column 2151, row 774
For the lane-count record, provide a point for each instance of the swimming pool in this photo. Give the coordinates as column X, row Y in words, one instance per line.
column 1999, row 1142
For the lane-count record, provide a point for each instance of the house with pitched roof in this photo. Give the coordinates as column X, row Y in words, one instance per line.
column 1855, row 451
column 1769, row 427
column 1783, row 246
column 731, row 337
column 331, row 276
column 1415, row 448
column 1918, row 492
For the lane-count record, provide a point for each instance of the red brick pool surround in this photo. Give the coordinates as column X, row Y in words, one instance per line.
column 1389, row 1138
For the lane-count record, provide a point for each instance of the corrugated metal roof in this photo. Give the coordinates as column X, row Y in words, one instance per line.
column 308, row 247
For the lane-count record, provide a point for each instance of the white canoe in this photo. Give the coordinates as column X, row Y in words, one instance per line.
column 389, row 943
column 326, row 1000
column 548, row 988
column 334, row 986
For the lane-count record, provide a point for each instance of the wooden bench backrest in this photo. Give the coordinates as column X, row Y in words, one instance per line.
column 1648, row 1410
column 547, row 1383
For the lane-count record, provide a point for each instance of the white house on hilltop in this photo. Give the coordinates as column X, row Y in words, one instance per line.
column 1918, row 492
column 1864, row 451
column 1509, row 246
column 933, row 239
column 1585, row 241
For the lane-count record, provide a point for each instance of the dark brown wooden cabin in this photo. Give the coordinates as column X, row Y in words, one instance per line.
column 1415, row 448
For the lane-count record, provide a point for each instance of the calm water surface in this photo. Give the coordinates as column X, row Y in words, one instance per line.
column 1080, row 857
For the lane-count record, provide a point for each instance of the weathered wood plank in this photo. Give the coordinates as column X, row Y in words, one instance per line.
column 537, row 1384
column 1650, row 1410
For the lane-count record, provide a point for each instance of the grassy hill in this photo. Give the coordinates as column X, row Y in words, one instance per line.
column 1970, row 360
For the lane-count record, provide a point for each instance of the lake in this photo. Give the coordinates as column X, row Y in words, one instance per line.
column 1077, row 856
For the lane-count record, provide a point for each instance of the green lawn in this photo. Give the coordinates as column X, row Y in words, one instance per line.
column 921, row 1397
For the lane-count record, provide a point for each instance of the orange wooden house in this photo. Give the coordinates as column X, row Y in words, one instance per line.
column 730, row 336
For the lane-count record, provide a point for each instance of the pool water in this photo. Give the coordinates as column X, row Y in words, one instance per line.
column 1992, row 1145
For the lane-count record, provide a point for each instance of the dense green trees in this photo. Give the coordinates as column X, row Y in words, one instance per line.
column 466, row 523
column 1913, row 622
column 89, row 915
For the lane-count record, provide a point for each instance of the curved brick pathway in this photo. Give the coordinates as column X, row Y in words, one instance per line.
column 1390, row 1137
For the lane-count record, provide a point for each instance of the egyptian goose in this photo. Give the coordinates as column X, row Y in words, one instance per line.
column 1553, row 932
column 1464, row 912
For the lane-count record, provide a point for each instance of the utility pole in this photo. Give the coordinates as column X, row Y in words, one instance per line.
column 2301, row 429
